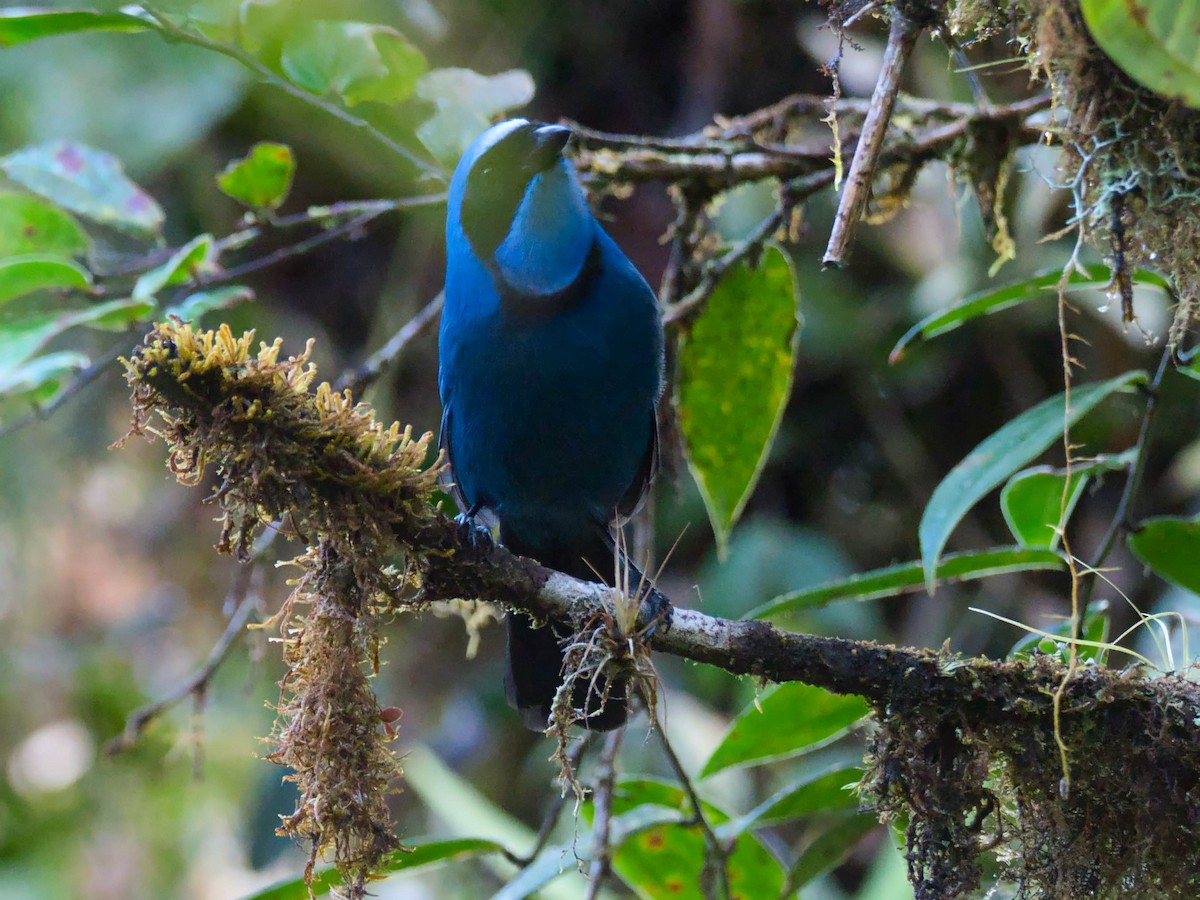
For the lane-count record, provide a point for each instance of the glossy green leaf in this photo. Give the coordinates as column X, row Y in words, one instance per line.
column 355, row 60
column 420, row 853
column 196, row 257
column 1154, row 41
column 21, row 275
column 466, row 102
column 196, row 305
column 812, row 792
column 1096, row 623
column 86, row 181
column 29, row 225
column 1170, row 547
column 735, row 375
column 786, row 720
column 1032, row 500
column 664, row 858
column 830, row 848
column 998, row 457
column 19, row 25
column 1037, row 503
column 261, row 179
column 40, row 379
column 984, row 303
column 892, row 581
column 21, row 338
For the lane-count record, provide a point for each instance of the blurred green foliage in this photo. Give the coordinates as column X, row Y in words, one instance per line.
column 112, row 595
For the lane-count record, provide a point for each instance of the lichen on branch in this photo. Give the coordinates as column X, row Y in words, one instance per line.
column 321, row 463
column 964, row 749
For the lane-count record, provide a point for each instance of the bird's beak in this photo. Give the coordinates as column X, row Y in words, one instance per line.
column 549, row 142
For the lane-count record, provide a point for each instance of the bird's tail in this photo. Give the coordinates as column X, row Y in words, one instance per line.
column 535, row 654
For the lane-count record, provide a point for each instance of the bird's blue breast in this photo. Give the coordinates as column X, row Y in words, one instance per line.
column 552, row 414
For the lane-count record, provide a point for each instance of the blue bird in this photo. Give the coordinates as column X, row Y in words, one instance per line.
column 551, row 365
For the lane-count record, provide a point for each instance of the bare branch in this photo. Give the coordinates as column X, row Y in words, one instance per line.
column 901, row 39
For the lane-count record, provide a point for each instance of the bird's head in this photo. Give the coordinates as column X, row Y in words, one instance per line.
column 516, row 201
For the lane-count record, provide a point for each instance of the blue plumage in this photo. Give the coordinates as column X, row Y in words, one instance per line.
column 550, row 371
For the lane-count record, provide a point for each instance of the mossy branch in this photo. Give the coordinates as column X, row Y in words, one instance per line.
column 964, row 748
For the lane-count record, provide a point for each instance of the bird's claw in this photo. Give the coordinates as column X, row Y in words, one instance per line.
column 655, row 611
column 476, row 537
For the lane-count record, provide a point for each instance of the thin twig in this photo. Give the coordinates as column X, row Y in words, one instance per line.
column 357, row 380
column 1120, row 519
column 553, row 811
column 606, row 775
column 689, row 306
column 715, row 878
column 169, row 30
column 85, row 377
column 901, row 39
column 245, row 593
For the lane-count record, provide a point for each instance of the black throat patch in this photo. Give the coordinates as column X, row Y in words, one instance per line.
column 495, row 187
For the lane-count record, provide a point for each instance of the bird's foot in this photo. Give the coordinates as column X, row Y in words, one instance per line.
column 655, row 611
column 472, row 535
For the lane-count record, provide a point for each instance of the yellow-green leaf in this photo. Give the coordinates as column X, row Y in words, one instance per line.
column 1153, row 41
column 261, row 179
column 29, row 225
column 21, row 275
column 735, row 377
column 22, row 24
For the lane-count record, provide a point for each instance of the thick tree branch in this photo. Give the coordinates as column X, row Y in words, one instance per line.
column 734, row 156
column 957, row 740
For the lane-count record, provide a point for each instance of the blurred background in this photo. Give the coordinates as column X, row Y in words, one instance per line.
column 111, row 593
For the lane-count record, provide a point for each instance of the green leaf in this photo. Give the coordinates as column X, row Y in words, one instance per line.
column 735, row 370
column 196, row 257
column 261, row 179
column 1034, row 505
column 891, row 581
column 1190, row 363
column 117, row 315
column 22, row 338
column 421, row 853
column 813, row 792
column 21, row 275
column 1170, row 546
column 86, row 181
column 40, row 379
column 1154, row 41
column 466, row 102
column 829, row 849
column 29, row 225
column 196, row 305
column 994, row 300
column 354, row 60
column 22, row 24
column 665, row 858
column 1032, row 501
column 786, row 720
column 998, row 457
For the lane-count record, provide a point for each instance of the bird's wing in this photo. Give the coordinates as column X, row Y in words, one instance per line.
column 635, row 494
column 446, row 477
